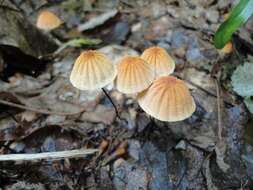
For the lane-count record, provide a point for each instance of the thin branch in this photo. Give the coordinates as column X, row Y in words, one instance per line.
column 48, row 155
column 219, row 109
column 4, row 102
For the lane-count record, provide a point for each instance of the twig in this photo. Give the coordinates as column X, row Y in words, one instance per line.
column 202, row 89
column 48, row 155
column 219, row 110
column 4, row 102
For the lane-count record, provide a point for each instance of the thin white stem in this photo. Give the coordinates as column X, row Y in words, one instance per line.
column 48, row 155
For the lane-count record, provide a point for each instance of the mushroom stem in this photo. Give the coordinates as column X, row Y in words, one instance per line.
column 114, row 106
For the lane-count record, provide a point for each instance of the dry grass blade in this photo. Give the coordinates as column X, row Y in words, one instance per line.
column 48, row 155
column 219, row 110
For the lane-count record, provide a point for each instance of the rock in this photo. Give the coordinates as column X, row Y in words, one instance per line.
column 193, row 41
column 212, row 16
column 173, row 12
column 158, row 28
column 178, row 39
column 119, row 33
column 164, row 45
column 193, row 54
column 63, row 67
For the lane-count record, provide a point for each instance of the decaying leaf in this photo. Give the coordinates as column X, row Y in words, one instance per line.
column 242, row 79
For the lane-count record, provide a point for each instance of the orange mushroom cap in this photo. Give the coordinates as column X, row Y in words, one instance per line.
column 92, row 70
column 167, row 99
column 228, row 48
column 134, row 75
column 160, row 61
column 48, row 21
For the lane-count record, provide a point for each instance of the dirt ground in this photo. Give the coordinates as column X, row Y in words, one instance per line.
column 40, row 111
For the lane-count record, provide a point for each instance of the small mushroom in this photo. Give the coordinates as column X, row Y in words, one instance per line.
column 160, row 60
column 48, row 21
column 92, row 70
column 134, row 75
column 167, row 99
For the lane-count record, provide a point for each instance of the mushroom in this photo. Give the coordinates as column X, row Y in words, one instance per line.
column 93, row 70
column 167, row 99
column 160, row 60
column 134, row 75
column 48, row 21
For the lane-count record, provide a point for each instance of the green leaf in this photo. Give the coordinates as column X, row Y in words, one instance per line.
column 239, row 15
column 78, row 42
column 242, row 80
column 82, row 42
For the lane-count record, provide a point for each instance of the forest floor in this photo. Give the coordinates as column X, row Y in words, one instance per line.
column 40, row 111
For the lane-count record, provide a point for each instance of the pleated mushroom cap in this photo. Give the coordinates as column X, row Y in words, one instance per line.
column 134, row 75
column 167, row 99
column 160, row 60
column 48, row 21
column 92, row 70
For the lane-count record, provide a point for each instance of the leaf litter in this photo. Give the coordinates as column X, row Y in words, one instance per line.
column 155, row 158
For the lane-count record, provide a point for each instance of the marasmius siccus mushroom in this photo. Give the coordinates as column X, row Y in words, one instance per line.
column 48, row 21
column 93, row 70
column 134, row 75
column 167, row 99
column 160, row 61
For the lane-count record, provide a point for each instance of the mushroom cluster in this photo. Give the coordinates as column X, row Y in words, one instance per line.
column 160, row 95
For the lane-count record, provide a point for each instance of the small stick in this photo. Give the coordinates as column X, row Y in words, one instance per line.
column 110, row 99
column 4, row 102
column 219, row 110
column 48, row 155
column 120, row 151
